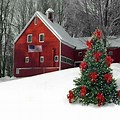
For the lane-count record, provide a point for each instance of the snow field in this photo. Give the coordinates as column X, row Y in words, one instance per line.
column 44, row 97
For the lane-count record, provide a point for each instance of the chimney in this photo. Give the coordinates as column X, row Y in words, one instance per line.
column 50, row 14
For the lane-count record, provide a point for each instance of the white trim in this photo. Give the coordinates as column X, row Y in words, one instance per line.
column 36, row 68
column 67, row 58
column 28, row 37
column 56, row 60
column 43, row 37
column 65, row 43
column 77, row 61
column 80, row 54
column 27, row 59
column 17, row 71
column 60, row 56
column 42, row 59
column 48, row 26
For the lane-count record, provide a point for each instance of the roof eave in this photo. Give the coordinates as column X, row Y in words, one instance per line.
column 25, row 27
column 66, row 43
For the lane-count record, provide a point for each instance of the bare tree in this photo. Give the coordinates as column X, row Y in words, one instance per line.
column 24, row 11
column 43, row 5
column 4, row 12
column 1, row 34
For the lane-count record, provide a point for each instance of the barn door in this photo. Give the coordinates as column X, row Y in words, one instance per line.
column 53, row 55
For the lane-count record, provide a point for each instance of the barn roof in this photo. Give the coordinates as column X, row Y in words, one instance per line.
column 64, row 37
column 57, row 30
column 113, row 41
column 80, row 42
column 54, row 27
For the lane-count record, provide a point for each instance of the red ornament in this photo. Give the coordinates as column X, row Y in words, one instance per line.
column 70, row 96
column 93, row 76
column 83, row 65
column 98, row 34
column 109, row 60
column 119, row 94
column 89, row 44
column 100, row 98
column 108, row 78
column 97, row 56
column 83, row 91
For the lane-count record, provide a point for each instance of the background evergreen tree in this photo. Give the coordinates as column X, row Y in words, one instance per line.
column 96, row 84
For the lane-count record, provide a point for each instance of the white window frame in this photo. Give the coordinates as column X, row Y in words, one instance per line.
column 43, row 37
column 28, row 37
column 80, row 54
column 35, row 20
column 110, row 53
column 56, row 58
column 17, row 71
column 41, row 59
column 27, row 59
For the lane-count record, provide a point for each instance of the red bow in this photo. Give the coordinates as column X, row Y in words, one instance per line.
column 83, row 91
column 89, row 44
column 97, row 56
column 109, row 60
column 100, row 98
column 108, row 77
column 93, row 76
column 83, row 65
column 98, row 34
column 70, row 96
column 119, row 94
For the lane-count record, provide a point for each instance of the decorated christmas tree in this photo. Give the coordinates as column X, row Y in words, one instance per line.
column 96, row 84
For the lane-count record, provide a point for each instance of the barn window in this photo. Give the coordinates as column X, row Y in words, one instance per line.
column 17, row 71
column 80, row 54
column 41, row 59
column 35, row 20
column 29, row 38
column 41, row 37
column 67, row 60
column 50, row 16
column 110, row 53
column 26, row 59
column 56, row 58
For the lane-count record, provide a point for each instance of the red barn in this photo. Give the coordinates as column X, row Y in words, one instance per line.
column 43, row 46
column 113, row 49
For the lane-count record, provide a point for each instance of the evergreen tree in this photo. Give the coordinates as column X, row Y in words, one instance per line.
column 96, row 84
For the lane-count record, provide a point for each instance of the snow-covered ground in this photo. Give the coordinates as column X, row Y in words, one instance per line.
column 43, row 97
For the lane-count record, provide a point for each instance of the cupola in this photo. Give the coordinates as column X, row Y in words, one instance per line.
column 50, row 14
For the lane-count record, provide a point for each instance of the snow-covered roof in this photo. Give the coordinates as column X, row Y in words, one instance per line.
column 80, row 43
column 113, row 41
column 50, row 10
column 54, row 27
column 64, row 37
column 58, row 30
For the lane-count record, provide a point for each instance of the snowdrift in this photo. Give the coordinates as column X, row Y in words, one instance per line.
column 43, row 97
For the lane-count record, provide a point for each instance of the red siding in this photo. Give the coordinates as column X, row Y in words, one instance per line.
column 21, row 48
column 116, row 54
column 67, row 52
column 81, row 56
column 31, row 72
